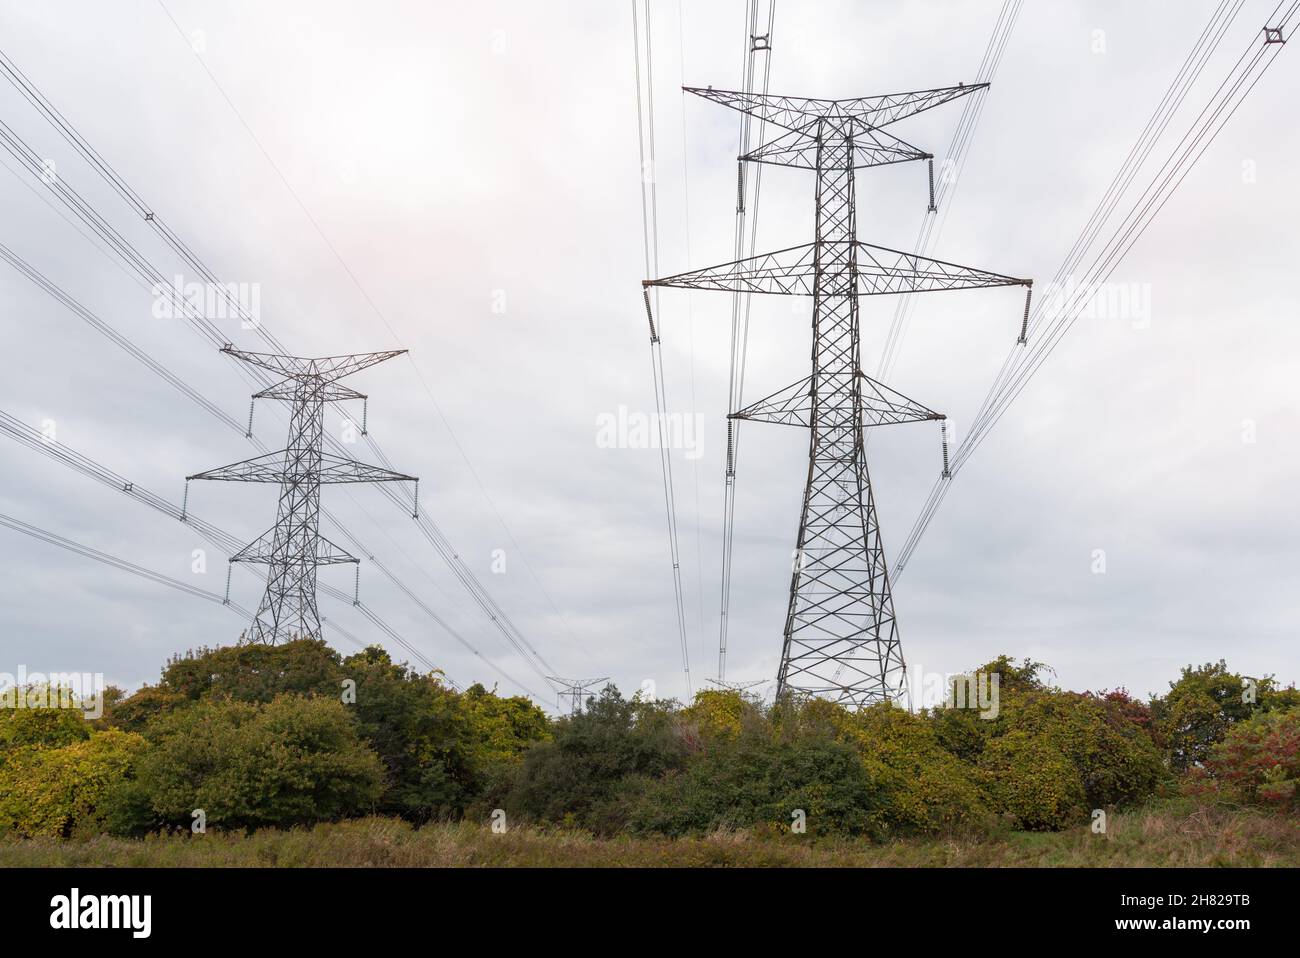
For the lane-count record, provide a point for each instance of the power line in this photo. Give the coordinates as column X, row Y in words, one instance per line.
column 30, row 437
column 379, row 313
column 753, row 44
column 43, row 535
column 690, row 314
column 650, row 239
column 161, row 286
column 954, row 163
column 1048, row 330
column 61, row 452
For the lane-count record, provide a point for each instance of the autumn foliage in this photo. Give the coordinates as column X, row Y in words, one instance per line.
column 253, row 736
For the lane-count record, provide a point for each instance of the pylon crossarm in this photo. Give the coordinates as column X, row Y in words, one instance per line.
column 328, row 392
column 883, row 271
column 878, row 270
column 791, row 406
column 882, row 406
column 875, row 111
column 336, row 469
column 784, row 111
column 262, row 550
column 280, row 467
column 871, row 147
column 787, row 272
column 268, row 467
column 325, row 368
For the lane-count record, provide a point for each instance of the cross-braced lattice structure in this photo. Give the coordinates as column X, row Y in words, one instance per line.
column 841, row 637
column 294, row 547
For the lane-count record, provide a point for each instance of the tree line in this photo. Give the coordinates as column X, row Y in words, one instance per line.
column 250, row 736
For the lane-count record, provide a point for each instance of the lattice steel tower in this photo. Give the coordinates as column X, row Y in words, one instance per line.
column 841, row 637
column 294, row 547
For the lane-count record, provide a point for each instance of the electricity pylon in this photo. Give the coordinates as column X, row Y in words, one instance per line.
column 294, row 547
column 841, row 637
column 575, row 689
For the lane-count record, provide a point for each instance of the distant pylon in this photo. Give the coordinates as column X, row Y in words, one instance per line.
column 575, row 689
column 840, row 638
column 741, row 687
column 294, row 547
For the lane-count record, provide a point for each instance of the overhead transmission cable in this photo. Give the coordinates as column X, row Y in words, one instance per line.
column 754, row 43
column 61, row 453
column 14, row 428
column 690, row 314
column 935, row 218
column 1049, row 325
column 650, row 241
column 383, row 318
column 50, row 538
column 160, row 285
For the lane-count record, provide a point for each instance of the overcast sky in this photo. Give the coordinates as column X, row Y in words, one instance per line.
column 461, row 157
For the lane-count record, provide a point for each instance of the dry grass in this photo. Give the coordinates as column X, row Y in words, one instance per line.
column 1178, row 834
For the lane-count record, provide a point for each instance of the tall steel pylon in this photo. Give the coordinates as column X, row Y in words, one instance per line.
column 841, row 636
column 294, row 547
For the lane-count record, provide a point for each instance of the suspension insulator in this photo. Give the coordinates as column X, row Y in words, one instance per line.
column 226, row 600
column 932, row 208
column 185, row 502
column 365, row 414
column 356, row 588
column 731, row 447
column 415, row 514
column 740, row 186
column 654, row 333
column 943, row 432
column 1024, row 323
column 248, row 433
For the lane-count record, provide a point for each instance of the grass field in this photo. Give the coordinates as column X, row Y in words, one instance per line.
column 1172, row 834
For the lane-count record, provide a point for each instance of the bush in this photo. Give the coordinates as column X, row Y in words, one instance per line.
column 1199, row 709
column 591, row 771
column 52, row 791
column 716, row 714
column 753, row 779
column 36, row 724
column 1032, row 782
column 1103, row 739
column 1116, row 761
column 930, row 790
column 1258, row 762
column 291, row 761
column 439, row 748
column 255, row 672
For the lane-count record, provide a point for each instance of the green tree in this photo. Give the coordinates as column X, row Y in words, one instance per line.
column 1197, row 711
column 54, row 790
column 753, row 777
column 1032, row 781
column 590, row 772
column 1258, row 762
column 40, row 726
column 930, row 789
column 292, row 760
